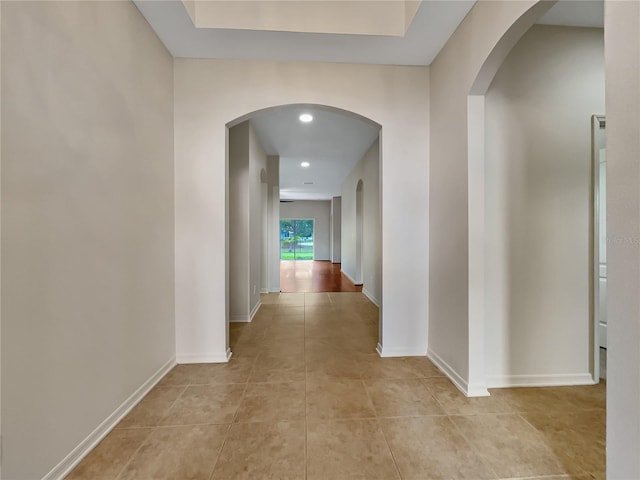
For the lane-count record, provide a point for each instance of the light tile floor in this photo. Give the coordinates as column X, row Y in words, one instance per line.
column 306, row 396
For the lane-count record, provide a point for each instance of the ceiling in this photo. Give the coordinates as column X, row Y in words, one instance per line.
column 356, row 17
column 575, row 13
column 431, row 27
column 334, row 141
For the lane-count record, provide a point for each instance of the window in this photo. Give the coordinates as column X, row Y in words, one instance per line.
column 296, row 239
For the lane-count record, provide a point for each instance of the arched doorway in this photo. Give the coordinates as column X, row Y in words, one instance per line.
column 501, row 354
column 621, row 70
column 259, row 158
column 476, row 192
column 201, row 189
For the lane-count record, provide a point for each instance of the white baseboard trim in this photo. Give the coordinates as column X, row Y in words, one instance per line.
column 246, row 318
column 462, row 385
column 477, row 390
column 264, row 290
column 255, row 310
column 562, row 379
column 370, row 296
column 603, row 334
column 401, row 352
column 204, row 357
column 78, row 453
column 351, row 279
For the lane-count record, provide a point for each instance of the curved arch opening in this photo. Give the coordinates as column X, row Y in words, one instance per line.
column 488, row 362
column 301, row 107
column 506, row 43
column 299, row 166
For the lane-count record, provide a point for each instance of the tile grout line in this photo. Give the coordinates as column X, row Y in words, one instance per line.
column 235, row 415
column 384, row 436
column 153, row 429
column 173, row 404
column 215, row 464
column 126, row 464
column 379, row 426
column 304, row 359
column 473, row 448
column 520, row 414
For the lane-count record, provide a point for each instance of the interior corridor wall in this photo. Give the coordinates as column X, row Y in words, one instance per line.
column 211, row 93
column 239, row 221
column 336, row 229
column 320, row 212
column 538, row 207
column 273, row 223
column 452, row 76
column 622, row 54
column 367, row 170
column 247, row 159
column 87, row 223
column 257, row 165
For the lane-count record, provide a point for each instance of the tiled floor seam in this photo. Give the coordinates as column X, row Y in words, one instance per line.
column 166, row 413
column 235, row 415
column 153, row 429
column 215, row 464
column 393, row 457
column 132, row 456
column 521, row 415
column 474, row 449
column 304, row 359
column 244, row 393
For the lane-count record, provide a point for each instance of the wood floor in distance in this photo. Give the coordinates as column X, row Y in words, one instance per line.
column 314, row 276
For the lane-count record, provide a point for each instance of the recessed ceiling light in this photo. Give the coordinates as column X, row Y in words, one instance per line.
column 305, row 117
column 305, row 164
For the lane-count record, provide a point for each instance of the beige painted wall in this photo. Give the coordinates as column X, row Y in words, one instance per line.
column 622, row 53
column 367, row 170
column 246, row 160
column 336, row 229
column 273, row 223
column 87, row 222
column 453, row 74
column 538, row 207
column 452, row 77
column 211, row 93
column 239, row 221
column 257, row 165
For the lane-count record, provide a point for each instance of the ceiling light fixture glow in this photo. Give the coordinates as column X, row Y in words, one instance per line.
column 305, row 164
column 306, row 117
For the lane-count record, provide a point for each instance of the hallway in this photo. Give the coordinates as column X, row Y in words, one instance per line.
column 314, row 276
column 305, row 396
